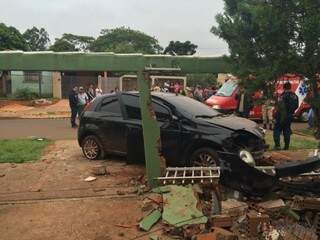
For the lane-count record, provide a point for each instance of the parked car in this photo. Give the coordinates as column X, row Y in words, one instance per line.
column 192, row 133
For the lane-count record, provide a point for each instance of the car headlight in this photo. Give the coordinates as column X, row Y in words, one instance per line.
column 216, row 107
column 246, row 156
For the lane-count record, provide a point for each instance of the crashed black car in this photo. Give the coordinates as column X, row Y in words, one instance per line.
column 192, row 133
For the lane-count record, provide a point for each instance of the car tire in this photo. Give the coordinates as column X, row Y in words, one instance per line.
column 205, row 157
column 92, row 148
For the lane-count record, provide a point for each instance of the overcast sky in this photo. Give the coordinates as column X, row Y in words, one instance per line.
column 165, row 19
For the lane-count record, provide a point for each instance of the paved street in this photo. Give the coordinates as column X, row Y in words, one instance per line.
column 56, row 129
column 49, row 128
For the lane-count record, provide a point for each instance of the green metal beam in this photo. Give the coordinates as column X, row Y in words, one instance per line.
column 75, row 61
column 50, row 61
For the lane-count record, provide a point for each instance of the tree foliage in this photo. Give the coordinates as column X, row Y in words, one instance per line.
column 71, row 42
column 37, row 39
column 204, row 80
column 270, row 38
column 61, row 45
column 180, row 48
column 125, row 40
column 11, row 39
column 81, row 43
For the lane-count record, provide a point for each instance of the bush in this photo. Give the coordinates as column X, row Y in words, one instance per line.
column 25, row 94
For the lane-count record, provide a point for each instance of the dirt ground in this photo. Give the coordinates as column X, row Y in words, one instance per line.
column 24, row 109
column 49, row 199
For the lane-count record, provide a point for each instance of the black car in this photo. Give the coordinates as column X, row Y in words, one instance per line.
column 192, row 133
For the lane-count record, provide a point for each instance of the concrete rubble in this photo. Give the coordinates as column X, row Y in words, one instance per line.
column 181, row 212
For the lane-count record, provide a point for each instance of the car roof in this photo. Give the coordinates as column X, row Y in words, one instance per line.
column 156, row 94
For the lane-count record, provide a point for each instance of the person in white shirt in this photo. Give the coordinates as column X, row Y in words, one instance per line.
column 98, row 92
column 83, row 100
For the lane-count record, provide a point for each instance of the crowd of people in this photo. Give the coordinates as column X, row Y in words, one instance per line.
column 198, row 93
column 79, row 98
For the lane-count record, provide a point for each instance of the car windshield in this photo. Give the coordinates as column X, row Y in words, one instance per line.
column 191, row 107
column 227, row 88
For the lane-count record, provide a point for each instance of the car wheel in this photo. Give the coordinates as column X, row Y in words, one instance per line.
column 205, row 157
column 304, row 116
column 92, row 148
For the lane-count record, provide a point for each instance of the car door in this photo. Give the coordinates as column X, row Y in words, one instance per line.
column 112, row 126
column 133, row 125
column 170, row 137
column 170, row 133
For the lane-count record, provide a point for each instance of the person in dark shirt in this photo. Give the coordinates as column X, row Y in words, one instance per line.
column 73, row 102
column 245, row 103
column 285, row 109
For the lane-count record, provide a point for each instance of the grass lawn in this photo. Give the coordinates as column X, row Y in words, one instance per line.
column 21, row 150
column 305, row 131
column 297, row 142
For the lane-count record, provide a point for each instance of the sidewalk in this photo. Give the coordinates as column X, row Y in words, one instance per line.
column 16, row 109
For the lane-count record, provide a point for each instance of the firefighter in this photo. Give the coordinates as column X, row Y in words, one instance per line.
column 287, row 104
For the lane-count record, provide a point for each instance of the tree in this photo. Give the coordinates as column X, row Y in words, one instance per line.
column 125, row 40
column 11, row 39
column 270, row 38
column 37, row 39
column 204, row 80
column 81, row 43
column 61, row 45
column 181, row 48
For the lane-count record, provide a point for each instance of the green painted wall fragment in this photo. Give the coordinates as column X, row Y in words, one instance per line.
column 147, row 223
column 180, row 207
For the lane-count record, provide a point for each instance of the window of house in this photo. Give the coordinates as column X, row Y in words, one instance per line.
column 132, row 107
column 110, row 105
column 32, row 76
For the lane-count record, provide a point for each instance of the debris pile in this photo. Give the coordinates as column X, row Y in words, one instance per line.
column 186, row 212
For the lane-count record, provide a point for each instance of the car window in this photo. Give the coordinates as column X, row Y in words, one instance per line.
column 131, row 104
column 132, row 107
column 110, row 105
column 161, row 112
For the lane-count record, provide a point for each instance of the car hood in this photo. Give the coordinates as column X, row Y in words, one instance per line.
column 235, row 123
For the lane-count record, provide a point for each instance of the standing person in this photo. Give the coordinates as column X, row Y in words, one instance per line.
column 171, row 88
column 83, row 100
column 91, row 93
column 177, row 88
column 98, row 92
column 244, row 103
column 267, row 113
column 285, row 108
column 311, row 118
column 156, row 88
column 198, row 94
column 73, row 103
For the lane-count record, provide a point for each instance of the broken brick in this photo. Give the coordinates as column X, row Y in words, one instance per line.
column 222, row 221
column 218, row 234
column 272, row 205
column 255, row 221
